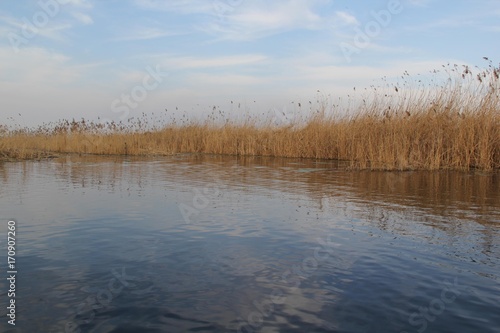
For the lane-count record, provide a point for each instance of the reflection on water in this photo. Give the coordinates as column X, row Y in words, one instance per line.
column 226, row 244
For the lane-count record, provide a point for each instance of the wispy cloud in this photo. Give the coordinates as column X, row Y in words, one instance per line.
column 55, row 32
column 419, row 3
column 447, row 23
column 257, row 19
column 145, row 33
column 55, row 28
column 178, row 6
column 227, row 80
column 216, row 62
column 479, row 17
column 36, row 65
column 246, row 20
column 344, row 18
column 363, row 74
column 83, row 18
column 80, row 3
column 50, row 31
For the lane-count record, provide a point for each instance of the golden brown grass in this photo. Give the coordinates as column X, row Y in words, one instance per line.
column 452, row 126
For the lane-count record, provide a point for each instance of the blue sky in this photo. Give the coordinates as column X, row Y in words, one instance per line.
column 116, row 59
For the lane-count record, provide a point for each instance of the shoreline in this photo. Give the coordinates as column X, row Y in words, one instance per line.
column 455, row 126
column 348, row 165
column 422, row 141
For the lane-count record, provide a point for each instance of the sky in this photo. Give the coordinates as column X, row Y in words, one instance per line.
column 113, row 60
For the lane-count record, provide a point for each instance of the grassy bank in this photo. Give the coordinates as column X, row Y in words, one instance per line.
column 398, row 127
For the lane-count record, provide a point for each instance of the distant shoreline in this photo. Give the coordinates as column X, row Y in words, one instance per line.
column 422, row 140
column 452, row 127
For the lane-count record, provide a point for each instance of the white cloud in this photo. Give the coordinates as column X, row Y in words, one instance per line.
column 33, row 66
column 479, row 18
column 194, row 62
column 447, row 23
column 257, row 19
column 227, row 80
column 145, row 33
column 346, row 18
column 54, row 28
column 130, row 77
column 79, row 3
column 419, row 3
column 50, row 31
column 55, row 32
column 244, row 20
column 178, row 6
column 363, row 75
column 83, row 18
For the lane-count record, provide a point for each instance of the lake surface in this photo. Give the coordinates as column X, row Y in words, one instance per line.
column 225, row 244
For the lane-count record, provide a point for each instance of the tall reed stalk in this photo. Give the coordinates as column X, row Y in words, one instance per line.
column 452, row 126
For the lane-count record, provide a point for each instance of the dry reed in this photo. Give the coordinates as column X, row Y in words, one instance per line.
column 455, row 125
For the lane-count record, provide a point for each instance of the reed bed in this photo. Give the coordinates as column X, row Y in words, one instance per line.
column 451, row 125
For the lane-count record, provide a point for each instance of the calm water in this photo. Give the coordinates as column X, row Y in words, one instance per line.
column 225, row 244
